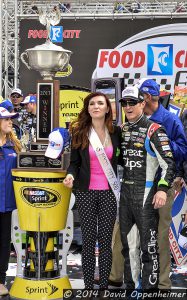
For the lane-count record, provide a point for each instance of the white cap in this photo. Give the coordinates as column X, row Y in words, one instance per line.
column 29, row 99
column 17, row 91
column 55, row 146
column 4, row 114
column 130, row 92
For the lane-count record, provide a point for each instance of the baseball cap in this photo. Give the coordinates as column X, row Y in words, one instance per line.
column 149, row 86
column 17, row 91
column 7, row 104
column 29, row 99
column 131, row 92
column 182, row 240
column 4, row 114
column 59, row 138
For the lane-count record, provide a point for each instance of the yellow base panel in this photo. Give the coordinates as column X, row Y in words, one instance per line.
column 39, row 289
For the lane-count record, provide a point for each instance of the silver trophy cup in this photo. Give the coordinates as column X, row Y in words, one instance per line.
column 47, row 58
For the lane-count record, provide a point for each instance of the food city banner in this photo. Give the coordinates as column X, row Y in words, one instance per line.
column 129, row 49
column 158, row 53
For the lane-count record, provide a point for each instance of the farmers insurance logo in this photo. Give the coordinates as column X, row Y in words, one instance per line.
column 160, row 59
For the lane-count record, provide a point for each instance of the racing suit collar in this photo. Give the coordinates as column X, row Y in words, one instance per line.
column 133, row 123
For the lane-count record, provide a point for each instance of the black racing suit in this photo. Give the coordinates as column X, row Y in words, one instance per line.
column 145, row 146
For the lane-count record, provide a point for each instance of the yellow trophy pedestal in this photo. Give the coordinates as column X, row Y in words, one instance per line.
column 42, row 202
column 39, row 289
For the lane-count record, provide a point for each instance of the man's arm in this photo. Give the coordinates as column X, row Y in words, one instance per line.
column 178, row 141
column 160, row 145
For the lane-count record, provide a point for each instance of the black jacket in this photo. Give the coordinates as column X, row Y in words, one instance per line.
column 80, row 162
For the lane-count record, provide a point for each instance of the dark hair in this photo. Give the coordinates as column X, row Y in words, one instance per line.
column 81, row 126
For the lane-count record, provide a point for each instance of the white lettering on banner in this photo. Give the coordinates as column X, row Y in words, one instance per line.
column 152, row 249
column 175, row 248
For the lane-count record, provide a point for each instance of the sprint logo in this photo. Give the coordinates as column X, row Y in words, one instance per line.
column 53, row 288
column 42, row 290
column 160, row 59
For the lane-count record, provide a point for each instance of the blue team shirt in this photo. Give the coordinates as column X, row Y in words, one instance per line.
column 8, row 161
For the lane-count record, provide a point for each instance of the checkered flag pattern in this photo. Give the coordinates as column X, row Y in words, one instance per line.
column 165, row 83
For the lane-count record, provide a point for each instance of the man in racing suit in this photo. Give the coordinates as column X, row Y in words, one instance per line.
column 145, row 147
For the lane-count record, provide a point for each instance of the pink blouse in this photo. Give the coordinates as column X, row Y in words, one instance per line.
column 98, row 180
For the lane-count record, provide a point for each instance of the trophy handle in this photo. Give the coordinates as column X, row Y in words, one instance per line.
column 66, row 59
column 23, row 59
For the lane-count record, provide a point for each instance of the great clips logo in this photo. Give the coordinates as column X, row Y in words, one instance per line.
column 159, row 59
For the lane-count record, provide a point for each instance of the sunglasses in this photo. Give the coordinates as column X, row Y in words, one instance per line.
column 124, row 103
column 15, row 96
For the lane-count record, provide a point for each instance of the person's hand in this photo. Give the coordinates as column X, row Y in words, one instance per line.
column 178, row 184
column 159, row 199
column 68, row 181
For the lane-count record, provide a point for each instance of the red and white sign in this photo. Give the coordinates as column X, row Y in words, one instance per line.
column 159, row 53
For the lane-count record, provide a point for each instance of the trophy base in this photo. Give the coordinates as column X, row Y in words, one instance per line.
column 39, row 289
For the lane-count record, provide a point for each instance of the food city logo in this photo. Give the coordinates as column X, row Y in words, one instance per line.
column 147, row 54
column 40, row 197
column 160, row 59
column 56, row 33
column 49, row 290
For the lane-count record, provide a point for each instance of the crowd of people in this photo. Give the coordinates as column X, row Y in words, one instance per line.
column 131, row 221
column 151, row 148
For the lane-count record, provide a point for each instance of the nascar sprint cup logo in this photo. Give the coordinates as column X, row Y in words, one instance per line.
column 40, row 196
column 159, row 53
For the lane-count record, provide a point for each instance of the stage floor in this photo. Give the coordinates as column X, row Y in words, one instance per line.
column 178, row 275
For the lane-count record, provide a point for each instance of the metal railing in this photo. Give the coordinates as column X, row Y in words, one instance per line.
column 12, row 11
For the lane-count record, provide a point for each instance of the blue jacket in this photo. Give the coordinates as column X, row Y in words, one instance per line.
column 175, row 132
column 183, row 170
column 8, row 161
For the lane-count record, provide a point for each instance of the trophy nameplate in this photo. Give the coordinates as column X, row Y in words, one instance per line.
column 47, row 109
column 30, row 160
column 38, row 147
